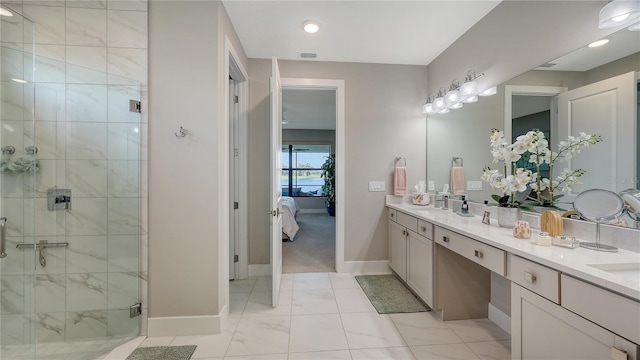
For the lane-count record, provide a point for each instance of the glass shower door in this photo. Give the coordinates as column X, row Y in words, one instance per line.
column 17, row 177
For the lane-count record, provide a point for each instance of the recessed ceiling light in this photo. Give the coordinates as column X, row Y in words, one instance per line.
column 598, row 43
column 311, row 27
column 5, row 12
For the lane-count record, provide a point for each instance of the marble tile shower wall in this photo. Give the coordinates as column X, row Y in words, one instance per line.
column 91, row 59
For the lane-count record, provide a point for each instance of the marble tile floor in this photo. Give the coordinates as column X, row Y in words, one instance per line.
column 327, row 316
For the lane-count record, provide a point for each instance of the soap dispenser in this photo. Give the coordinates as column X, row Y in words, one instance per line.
column 465, row 207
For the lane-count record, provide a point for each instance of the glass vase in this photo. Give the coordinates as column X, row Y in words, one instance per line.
column 507, row 216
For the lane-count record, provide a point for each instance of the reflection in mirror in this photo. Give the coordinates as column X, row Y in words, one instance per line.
column 532, row 100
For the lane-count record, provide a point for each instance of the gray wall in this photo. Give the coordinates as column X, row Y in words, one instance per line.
column 383, row 120
column 186, row 226
column 515, row 37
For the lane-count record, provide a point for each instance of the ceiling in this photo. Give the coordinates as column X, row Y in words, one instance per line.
column 384, row 31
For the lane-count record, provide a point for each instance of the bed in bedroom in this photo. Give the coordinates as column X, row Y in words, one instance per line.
column 289, row 224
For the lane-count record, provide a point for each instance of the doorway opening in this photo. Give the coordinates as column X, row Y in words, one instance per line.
column 308, row 144
column 313, row 119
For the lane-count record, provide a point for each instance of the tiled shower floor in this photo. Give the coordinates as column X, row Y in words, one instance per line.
column 79, row 350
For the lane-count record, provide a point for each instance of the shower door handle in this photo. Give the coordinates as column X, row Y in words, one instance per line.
column 3, row 237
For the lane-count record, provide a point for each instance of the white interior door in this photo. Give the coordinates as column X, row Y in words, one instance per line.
column 607, row 108
column 276, row 188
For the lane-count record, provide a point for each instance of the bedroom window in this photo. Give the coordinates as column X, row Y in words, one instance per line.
column 301, row 172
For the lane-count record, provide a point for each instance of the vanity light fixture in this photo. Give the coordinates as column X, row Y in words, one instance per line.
column 452, row 97
column 310, row 27
column 457, row 95
column 618, row 12
column 5, row 12
column 427, row 108
column 439, row 103
column 470, row 86
column 490, row 91
column 598, row 43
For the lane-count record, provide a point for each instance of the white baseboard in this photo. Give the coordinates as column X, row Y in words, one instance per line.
column 500, row 318
column 312, row 211
column 259, row 269
column 184, row 325
column 366, row 267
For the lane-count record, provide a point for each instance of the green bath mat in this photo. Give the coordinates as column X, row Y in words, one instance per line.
column 389, row 295
column 163, row 353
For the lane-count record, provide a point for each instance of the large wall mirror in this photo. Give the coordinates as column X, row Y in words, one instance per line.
column 592, row 90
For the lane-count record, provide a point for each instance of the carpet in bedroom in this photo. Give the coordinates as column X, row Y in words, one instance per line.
column 314, row 247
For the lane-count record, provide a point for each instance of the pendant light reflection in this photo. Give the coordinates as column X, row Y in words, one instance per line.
column 618, row 13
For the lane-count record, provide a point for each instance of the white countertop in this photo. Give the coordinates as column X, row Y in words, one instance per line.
column 574, row 262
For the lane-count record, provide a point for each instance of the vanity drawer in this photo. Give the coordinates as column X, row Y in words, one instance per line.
column 407, row 221
column 535, row 277
column 392, row 214
column 425, row 229
column 491, row 258
column 614, row 312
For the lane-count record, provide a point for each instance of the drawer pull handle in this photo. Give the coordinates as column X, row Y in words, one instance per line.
column 392, row 214
column 445, row 239
column 423, row 229
column 479, row 254
column 529, row 277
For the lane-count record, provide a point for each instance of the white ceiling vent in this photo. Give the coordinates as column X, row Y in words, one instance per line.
column 547, row 65
column 308, row 55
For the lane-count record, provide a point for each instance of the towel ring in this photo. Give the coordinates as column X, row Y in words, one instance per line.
column 456, row 161
column 398, row 159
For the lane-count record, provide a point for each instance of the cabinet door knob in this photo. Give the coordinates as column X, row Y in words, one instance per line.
column 392, row 214
column 479, row 254
column 423, row 229
column 445, row 239
column 531, row 278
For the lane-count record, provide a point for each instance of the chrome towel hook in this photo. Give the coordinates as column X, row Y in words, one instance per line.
column 182, row 132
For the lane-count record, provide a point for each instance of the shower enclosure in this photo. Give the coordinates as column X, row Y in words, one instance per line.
column 70, row 199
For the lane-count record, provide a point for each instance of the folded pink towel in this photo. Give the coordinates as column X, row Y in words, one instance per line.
column 457, row 180
column 400, row 181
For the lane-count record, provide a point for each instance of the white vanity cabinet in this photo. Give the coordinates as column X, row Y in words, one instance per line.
column 541, row 329
column 398, row 249
column 420, row 261
column 560, row 317
column 411, row 253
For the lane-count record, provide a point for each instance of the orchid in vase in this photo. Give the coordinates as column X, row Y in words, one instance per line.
column 535, row 146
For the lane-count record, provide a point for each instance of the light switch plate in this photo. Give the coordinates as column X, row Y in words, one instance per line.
column 377, row 186
column 431, row 185
column 474, row 185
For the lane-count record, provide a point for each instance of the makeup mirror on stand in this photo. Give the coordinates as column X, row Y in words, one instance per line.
column 599, row 206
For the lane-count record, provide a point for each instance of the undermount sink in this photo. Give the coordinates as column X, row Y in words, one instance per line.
column 629, row 270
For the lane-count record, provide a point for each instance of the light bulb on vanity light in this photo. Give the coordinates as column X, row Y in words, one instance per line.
column 470, row 86
column 439, row 103
column 452, row 97
column 427, row 108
